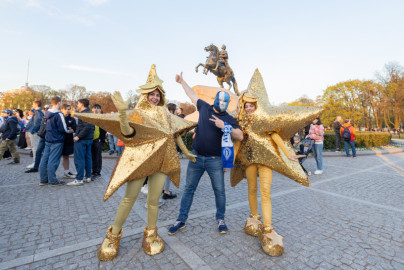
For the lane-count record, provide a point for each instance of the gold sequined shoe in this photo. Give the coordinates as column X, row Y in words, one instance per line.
column 152, row 242
column 271, row 242
column 252, row 223
column 110, row 246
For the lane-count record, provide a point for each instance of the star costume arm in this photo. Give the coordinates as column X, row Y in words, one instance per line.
column 184, row 149
column 279, row 142
column 122, row 106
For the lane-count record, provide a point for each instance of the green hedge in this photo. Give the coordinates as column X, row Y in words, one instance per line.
column 188, row 140
column 362, row 139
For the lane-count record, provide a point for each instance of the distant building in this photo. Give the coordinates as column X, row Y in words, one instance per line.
column 21, row 98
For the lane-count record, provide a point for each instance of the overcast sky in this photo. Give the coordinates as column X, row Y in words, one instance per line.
column 300, row 47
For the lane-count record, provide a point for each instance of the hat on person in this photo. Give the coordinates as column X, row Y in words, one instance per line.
column 153, row 83
column 7, row 111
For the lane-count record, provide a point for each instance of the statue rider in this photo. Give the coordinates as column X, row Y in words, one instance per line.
column 223, row 60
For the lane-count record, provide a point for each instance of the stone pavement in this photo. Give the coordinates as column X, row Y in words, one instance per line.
column 352, row 217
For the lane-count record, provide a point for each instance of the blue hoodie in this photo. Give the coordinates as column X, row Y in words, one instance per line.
column 56, row 127
column 36, row 121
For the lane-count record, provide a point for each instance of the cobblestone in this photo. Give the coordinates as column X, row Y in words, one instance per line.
column 351, row 218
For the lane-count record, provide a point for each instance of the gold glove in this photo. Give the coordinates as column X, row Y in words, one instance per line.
column 184, row 150
column 122, row 106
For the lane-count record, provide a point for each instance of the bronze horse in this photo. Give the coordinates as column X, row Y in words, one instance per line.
column 221, row 72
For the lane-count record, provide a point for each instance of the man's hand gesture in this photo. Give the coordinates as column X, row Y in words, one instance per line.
column 219, row 123
column 178, row 78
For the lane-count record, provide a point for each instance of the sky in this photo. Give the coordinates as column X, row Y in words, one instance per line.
column 300, row 47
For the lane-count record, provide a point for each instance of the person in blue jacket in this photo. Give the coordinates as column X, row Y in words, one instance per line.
column 33, row 128
column 9, row 132
column 56, row 129
column 82, row 146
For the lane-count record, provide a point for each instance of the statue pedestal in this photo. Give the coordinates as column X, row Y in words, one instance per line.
column 208, row 94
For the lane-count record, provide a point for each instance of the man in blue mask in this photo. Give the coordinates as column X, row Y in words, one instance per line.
column 222, row 101
column 215, row 126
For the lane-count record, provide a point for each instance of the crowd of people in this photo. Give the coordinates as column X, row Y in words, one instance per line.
column 52, row 134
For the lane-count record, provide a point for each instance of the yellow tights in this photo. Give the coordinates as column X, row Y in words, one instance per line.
column 155, row 184
column 265, row 174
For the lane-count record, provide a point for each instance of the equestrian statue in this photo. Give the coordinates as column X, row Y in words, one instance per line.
column 217, row 63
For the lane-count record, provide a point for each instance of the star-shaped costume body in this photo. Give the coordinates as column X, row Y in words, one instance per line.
column 258, row 147
column 152, row 147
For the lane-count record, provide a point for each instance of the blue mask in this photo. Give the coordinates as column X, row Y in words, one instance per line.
column 222, row 101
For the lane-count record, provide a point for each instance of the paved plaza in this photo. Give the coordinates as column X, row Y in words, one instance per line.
column 352, row 217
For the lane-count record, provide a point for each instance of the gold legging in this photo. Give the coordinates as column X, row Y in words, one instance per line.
column 265, row 174
column 155, row 184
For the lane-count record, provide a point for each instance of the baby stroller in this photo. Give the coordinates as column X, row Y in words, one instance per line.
column 305, row 148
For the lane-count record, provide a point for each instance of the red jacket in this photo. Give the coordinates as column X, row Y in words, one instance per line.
column 351, row 130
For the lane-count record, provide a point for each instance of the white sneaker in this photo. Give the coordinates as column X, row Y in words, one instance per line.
column 318, row 171
column 27, row 148
column 75, row 183
column 69, row 175
column 30, row 166
column 144, row 190
column 87, row 180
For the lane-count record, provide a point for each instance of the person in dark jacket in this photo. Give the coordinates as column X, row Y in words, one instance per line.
column 96, row 147
column 56, row 129
column 68, row 146
column 9, row 136
column 36, row 123
column 337, row 131
column 82, row 146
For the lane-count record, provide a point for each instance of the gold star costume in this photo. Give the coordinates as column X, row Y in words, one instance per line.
column 258, row 147
column 266, row 147
column 149, row 133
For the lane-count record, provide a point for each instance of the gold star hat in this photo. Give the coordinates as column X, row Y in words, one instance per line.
column 152, row 147
column 153, row 83
column 258, row 146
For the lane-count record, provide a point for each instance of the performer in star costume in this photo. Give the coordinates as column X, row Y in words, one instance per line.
column 149, row 133
column 266, row 147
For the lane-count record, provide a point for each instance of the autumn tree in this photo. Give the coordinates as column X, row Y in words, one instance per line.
column 73, row 93
column 46, row 93
column 392, row 103
column 302, row 101
column 134, row 98
column 104, row 99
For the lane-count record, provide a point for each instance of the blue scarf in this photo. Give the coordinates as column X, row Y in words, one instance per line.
column 227, row 146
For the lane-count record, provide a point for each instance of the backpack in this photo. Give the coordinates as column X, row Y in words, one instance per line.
column 42, row 128
column 120, row 143
column 346, row 134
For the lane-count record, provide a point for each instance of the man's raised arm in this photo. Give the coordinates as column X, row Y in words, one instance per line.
column 188, row 90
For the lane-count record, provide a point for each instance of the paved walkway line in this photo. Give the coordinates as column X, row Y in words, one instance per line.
column 187, row 255
column 387, row 207
column 17, row 185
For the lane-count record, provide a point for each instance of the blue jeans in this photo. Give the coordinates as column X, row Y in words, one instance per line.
column 50, row 162
column 119, row 150
column 38, row 153
column 352, row 144
column 82, row 158
column 213, row 165
column 112, row 140
column 318, row 155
